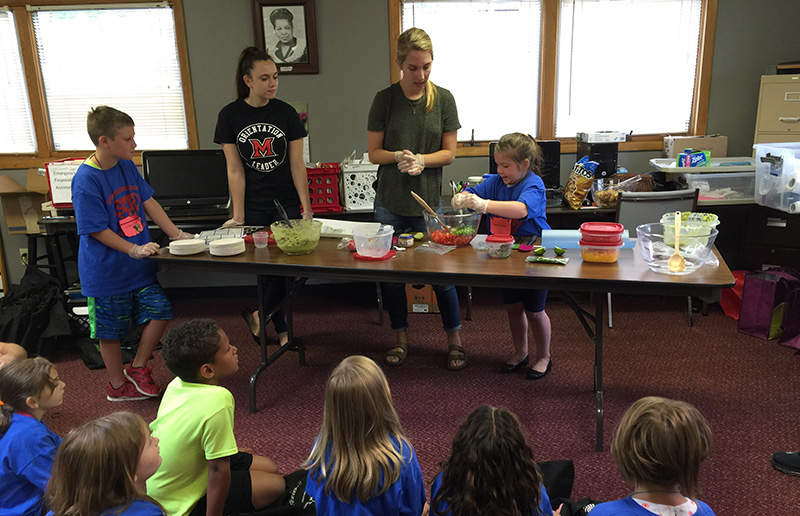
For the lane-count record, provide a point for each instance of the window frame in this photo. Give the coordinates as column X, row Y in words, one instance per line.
column 33, row 78
column 548, row 73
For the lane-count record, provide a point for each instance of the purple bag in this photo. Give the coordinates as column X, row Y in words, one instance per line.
column 791, row 318
column 764, row 302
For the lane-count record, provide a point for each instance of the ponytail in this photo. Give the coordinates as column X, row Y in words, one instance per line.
column 247, row 59
column 521, row 147
column 19, row 380
column 417, row 39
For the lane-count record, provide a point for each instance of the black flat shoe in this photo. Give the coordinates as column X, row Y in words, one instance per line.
column 509, row 368
column 247, row 315
column 533, row 374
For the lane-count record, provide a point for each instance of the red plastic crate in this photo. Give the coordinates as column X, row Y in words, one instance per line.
column 323, row 187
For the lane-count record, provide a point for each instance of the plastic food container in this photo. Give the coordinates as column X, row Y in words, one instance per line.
column 373, row 242
column 601, row 233
column 499, row 246
column 600, row 252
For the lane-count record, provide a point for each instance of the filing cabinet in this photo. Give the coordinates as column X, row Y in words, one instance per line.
column 778, row 109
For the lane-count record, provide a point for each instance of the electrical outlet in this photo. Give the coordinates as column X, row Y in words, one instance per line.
column 23, row 255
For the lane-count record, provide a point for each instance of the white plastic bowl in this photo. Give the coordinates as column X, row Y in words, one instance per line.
column 371, row 241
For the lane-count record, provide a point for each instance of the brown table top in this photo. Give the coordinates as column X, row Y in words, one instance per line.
column 469, row 267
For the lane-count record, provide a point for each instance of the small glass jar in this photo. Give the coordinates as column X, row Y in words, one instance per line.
column 405, row 240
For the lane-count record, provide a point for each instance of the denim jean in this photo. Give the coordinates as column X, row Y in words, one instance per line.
column 394, row 294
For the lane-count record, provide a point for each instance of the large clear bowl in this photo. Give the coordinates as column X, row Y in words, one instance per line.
column 302, row 237
column 695, row 246
column 462, row 226
column 372, row 241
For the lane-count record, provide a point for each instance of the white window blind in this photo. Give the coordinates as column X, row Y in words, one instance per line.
column 16, row 124
column 626, row 65
column 487, row 54
column 126, row 58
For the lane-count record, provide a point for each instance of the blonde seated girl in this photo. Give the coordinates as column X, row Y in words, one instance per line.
column 361, row 462
column 659, row 446
column 101, row 469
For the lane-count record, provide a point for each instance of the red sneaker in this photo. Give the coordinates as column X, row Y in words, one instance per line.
column 142, row 380
column 126, row 392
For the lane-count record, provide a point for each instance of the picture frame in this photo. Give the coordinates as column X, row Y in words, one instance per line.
column 286, row 30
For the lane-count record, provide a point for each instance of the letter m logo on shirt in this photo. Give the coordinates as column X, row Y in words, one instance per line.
column 262, row 148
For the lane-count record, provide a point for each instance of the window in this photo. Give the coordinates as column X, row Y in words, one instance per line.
column 477, row 56
column 626, row 65
column 555, row 67
column 16, row 126
column 128, row 56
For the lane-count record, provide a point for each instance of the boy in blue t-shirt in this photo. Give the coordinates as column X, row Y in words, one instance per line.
column 112, row 202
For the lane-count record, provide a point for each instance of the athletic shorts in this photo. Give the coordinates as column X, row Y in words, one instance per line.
column 110, row 317
column 532, row 300
column 240, row 492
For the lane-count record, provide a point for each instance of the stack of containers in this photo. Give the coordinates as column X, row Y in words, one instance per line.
column 601, row 241
column 778, row 175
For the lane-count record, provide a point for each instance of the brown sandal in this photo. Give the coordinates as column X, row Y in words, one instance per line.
column 398, row 351
column 454, row 354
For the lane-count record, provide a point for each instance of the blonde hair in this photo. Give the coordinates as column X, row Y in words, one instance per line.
column 95, row 466
column 106, row 121
column 521, row 147
column 354, row 446
column 20, row 380
column 417, row 39
column 663, row 442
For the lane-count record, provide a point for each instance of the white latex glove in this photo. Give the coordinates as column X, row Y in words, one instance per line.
column 183, row 235
column 308, row 215
column 398, row 155
column 232, row 223
column 412, row 164
column 466, row 200
column 137, row 252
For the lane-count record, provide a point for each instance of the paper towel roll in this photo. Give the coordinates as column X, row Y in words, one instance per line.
column 793, row 185
column 794, row 207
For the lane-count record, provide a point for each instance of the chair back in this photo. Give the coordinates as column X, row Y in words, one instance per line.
column 636, row 208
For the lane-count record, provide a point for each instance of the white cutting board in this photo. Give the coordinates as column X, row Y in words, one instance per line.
column 342, row 228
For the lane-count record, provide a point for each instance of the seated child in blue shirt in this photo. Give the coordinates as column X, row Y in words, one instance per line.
column 362, row 462
column 203, row 473
column 491, row 470
column 28, row 388
column 659, row 446
column 101, row 469
column 112, row 202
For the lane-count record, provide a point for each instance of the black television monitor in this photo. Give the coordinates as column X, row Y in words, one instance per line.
column 187, row 178
column 551, row 156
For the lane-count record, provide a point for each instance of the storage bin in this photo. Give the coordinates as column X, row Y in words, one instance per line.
column 738, row 187
column 778, row 176
column 357, row 191
column 323, row 187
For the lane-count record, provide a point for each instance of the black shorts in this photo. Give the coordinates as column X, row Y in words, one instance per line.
column 240, row 492
column 532, row 300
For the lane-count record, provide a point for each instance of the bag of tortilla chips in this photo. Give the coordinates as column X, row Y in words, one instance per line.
column 579, row 182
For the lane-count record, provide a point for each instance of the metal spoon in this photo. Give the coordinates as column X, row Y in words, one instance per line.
column 424, row 204
column 282, row 213
column 676, row 262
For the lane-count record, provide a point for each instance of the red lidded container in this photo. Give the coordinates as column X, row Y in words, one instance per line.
column 601, row 232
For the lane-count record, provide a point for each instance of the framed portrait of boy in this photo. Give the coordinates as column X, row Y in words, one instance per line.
column 285, row 29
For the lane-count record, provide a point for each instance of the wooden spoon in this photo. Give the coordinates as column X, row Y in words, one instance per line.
column 676, row 262
column 424, row 204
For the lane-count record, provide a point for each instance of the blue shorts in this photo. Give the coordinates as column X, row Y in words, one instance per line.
column 532, row 300
column 110, row 316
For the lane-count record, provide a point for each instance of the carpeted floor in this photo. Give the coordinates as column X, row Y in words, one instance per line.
column 747, row 388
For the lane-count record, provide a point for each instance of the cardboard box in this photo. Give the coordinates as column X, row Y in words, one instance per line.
column 22, row 207
column 421, row 299
column 715, row 144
